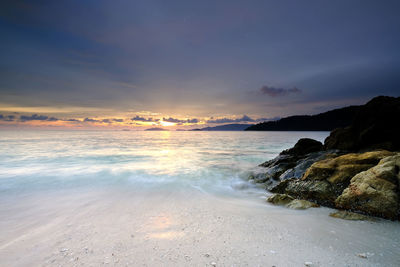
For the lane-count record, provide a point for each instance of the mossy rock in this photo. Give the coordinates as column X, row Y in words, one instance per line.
column 301, row 204
column 347, row 215
column 280, row 199
column 341, row 169
column 375, row 191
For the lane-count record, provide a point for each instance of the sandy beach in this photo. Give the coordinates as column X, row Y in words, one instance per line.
column 183, row 228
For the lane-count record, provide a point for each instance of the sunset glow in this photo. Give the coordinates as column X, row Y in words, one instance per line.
column 186, row 65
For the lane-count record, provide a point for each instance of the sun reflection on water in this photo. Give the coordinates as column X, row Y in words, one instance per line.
column 162, row 227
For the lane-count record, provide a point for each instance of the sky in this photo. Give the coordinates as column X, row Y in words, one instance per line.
column 189, row 64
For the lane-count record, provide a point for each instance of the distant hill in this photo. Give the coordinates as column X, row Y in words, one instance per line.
column 226, row 127
column 156, row 129
column 326, row 121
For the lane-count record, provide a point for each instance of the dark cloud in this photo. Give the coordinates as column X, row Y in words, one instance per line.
column 7, row 118
column 138, row 118
column 245, row 118
column 192, row 121
column 36, row 117
column 275, row 92
column 180, row 121
column 73, row 120
column 69, row 54
column 173, row 120
column 90, row 120
column 111, row 120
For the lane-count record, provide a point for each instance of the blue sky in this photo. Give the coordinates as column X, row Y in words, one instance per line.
column 203, row 60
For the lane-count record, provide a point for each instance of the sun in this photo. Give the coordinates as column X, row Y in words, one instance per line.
column 167, row 123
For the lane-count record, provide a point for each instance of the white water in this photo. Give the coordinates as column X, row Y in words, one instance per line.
column 209, row 161
column 165, row 198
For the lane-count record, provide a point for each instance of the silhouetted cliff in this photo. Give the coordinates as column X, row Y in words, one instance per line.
column 326, row 121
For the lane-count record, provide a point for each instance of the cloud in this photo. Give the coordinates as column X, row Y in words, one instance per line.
column 90, row 120
column 104, row 120
column 192, row 121
column 7, row 118
column 137, row 118
column 275, row 92
column 245, row 118
column 73, row 120
column 36, row 117
column 173, row 120
column 181, row 121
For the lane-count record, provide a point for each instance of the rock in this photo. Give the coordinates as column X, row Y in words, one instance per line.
column 374, row 127
column 303, row 164
column 304, row 146
column 286, row 166
column 347, row 215
column 280, row 199
column 341, row 169
column 321, row 192
column 365, row 255
column 326, row 179
column 308, row 263
column 300, row 204
column 290, row 202
column 375, row 191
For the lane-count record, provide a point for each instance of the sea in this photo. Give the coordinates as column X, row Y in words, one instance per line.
column 166, row 198
column 209, row 161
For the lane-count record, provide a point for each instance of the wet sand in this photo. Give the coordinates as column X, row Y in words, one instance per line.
column 182, row 228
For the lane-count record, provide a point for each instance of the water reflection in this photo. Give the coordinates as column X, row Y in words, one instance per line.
column 162, row 227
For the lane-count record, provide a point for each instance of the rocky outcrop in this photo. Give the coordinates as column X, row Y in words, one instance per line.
column 291, row 163
column 290, row 202
column 304, row 146
column 356, row 169
column 326, row 179
column 374, row 127
column 375, row 191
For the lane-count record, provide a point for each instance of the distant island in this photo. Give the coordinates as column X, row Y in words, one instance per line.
column 156, row 129
column 326, row 121
column 226, row 127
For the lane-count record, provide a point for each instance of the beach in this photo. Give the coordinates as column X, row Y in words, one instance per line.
column 86, row 202
column 181, row 228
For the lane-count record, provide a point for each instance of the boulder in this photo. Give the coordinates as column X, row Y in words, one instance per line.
column 374, row 191
column 322, row 192
column 280, row 199
column 303, row 164
column 340, row 170
column 374, row 127
column 290, row 202
column 304, row 146
column 300, row 204
column 291, row 163
column 326, row 179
